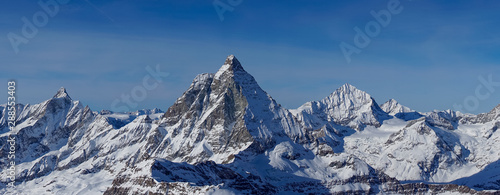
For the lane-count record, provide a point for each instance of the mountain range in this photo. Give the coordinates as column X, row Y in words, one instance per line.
column 226, row 135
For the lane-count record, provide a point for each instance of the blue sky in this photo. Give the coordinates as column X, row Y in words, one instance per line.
column 429, row 56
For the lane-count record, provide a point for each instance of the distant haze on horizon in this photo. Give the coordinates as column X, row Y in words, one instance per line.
column 427, row 55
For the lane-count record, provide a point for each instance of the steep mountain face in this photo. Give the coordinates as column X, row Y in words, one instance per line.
column 221, row 115
column 227, row 135
column 43, row 128
column 58, row 117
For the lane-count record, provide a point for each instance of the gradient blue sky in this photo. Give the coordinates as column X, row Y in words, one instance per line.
column 429, row 56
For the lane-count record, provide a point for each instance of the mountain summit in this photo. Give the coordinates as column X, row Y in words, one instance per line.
column 61, row 93
column 394, row 108
column 232, row 65
column 346, row 106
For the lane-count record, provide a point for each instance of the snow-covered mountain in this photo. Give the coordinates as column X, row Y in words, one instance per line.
column 225, row 134
column 394, row 108
column 221, row 115
column 346, row 106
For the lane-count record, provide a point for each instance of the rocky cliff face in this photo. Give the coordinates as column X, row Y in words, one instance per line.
column 227, row 135
column 221, row 115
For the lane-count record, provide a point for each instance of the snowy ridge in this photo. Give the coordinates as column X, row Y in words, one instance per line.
column 225, row 134
column 346, row 106
column 394, row 108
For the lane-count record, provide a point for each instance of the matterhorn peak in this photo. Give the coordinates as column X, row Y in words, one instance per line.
column 233, row 62
column 231, row 65
column 61, row 93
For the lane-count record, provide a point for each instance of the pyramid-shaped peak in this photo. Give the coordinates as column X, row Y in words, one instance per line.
column 232, row 61
column 231, row 65
column 347, row 88
column 393, row 107
column 61, row 93
column 347, row 106
column 348, row 94
column 392, row 103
